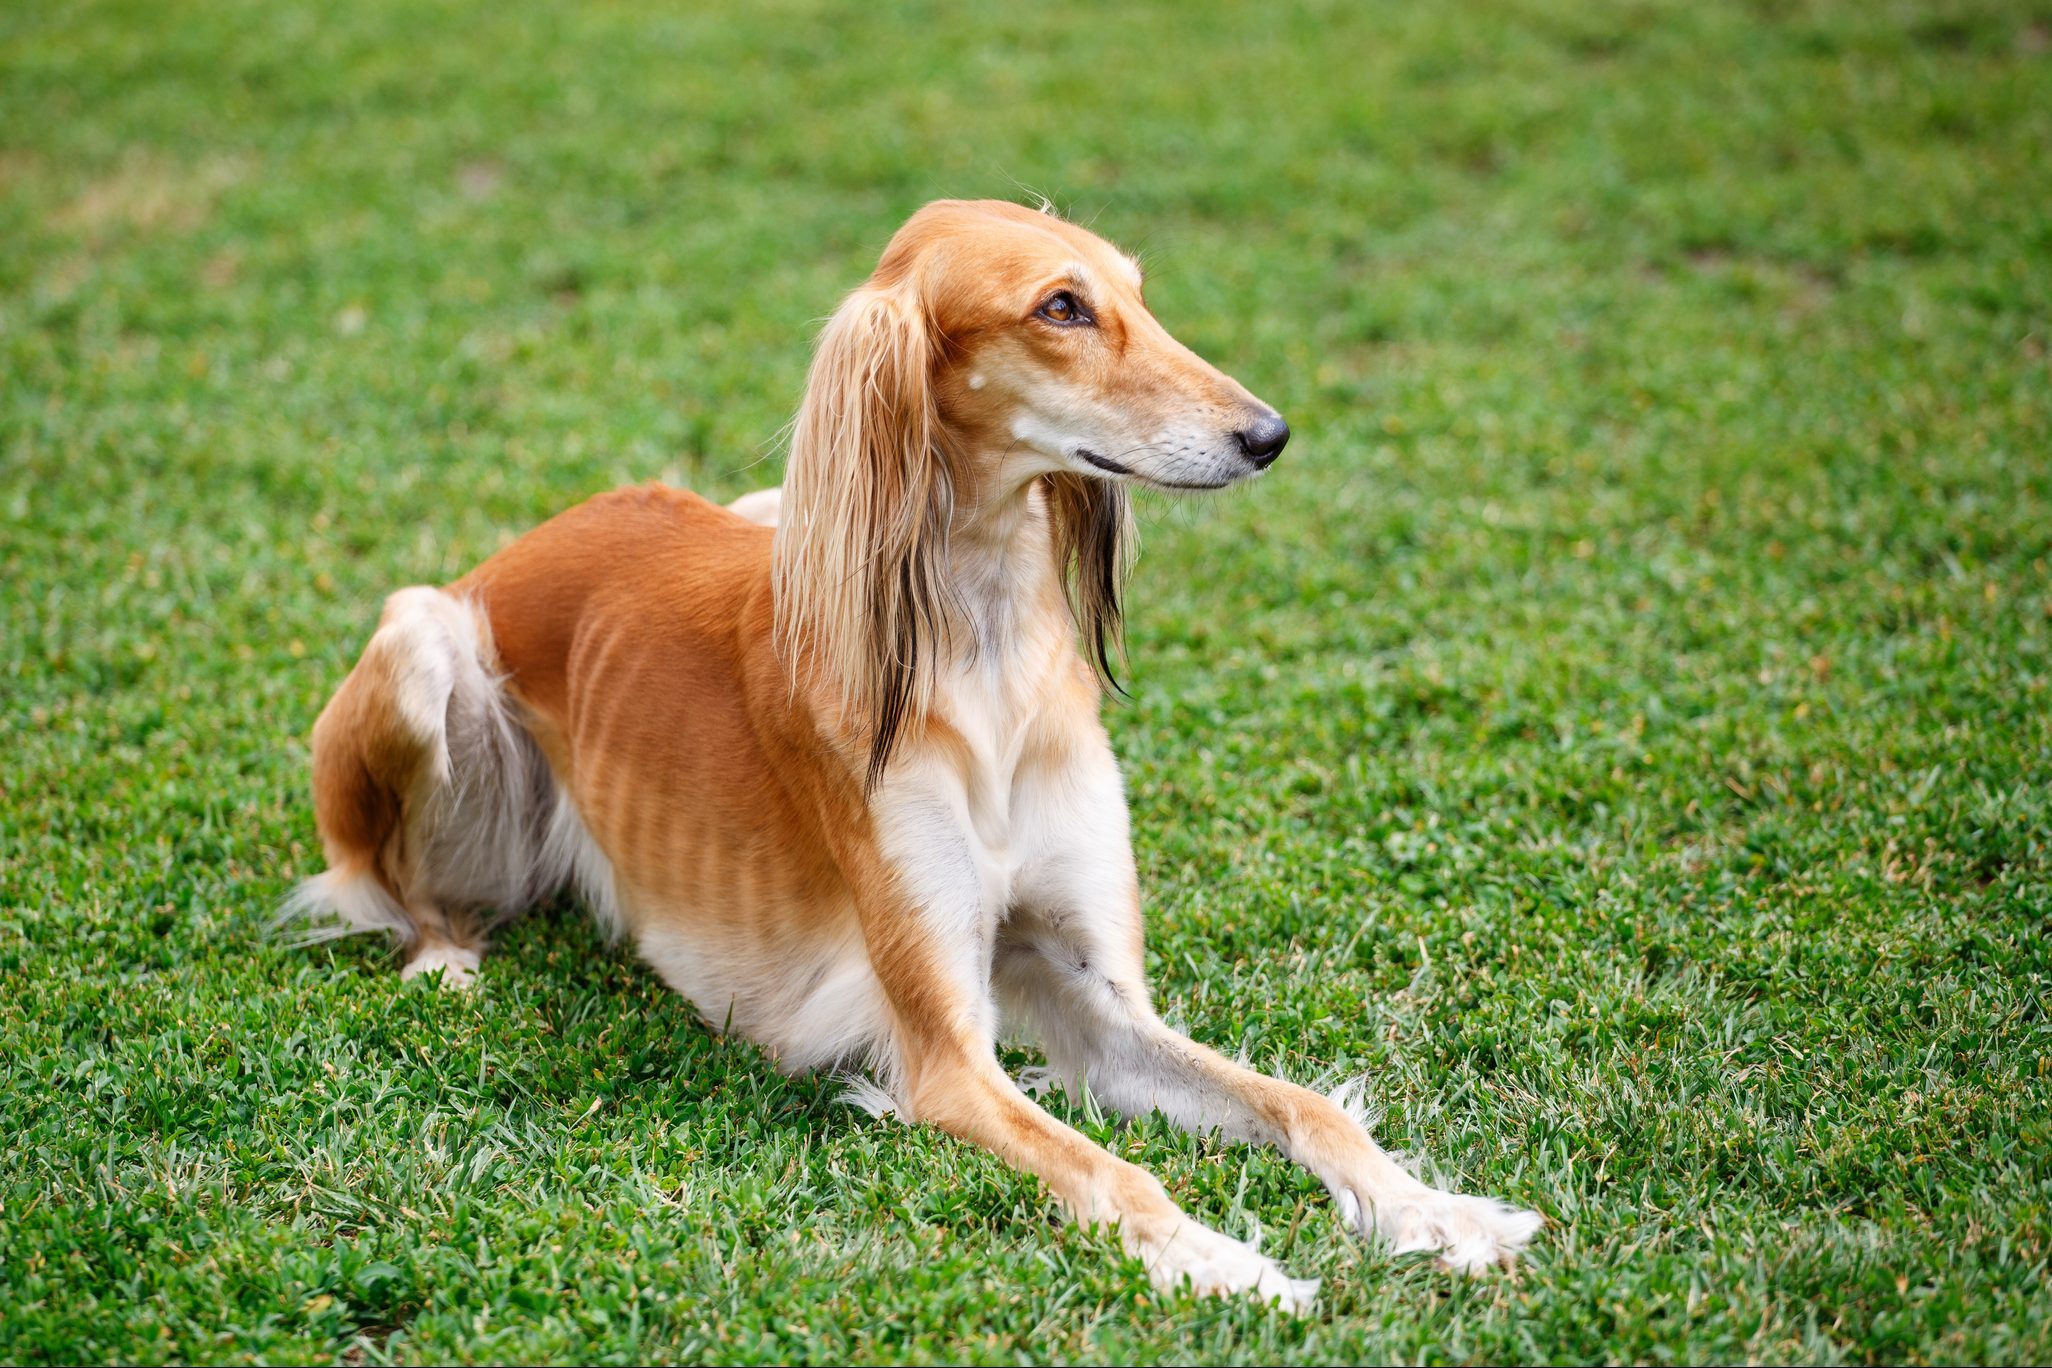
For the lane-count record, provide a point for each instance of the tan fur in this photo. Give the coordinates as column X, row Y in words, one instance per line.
column 844, row 781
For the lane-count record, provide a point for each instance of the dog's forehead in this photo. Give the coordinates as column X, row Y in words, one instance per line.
column 1103, row 257
column 997, row 237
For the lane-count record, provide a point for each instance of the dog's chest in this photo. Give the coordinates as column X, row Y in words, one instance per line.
column 959, row 822
column 992, row 717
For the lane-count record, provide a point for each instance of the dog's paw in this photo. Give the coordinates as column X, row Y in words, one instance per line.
column 1471, row 1233
column 456, row 964
column 1215, row 1265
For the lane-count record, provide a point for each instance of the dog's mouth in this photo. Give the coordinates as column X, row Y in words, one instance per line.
column 1111, row 467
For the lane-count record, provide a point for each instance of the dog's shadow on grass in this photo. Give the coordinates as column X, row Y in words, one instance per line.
column 563, row 1023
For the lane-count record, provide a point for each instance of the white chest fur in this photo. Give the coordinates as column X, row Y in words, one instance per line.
column 946, row 815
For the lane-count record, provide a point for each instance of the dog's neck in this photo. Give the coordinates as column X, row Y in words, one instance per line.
column 1001, row 565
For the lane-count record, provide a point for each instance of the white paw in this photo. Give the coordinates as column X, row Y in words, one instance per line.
column 458, row 965
column 1211, row 1264
column 1470, row 1233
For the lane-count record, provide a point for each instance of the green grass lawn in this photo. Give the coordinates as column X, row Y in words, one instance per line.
column 1618, row 727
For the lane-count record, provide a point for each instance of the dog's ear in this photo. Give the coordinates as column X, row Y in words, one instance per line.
column 1092, row 523
column 861, row 545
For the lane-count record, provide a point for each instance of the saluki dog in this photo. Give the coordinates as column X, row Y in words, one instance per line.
column 832, row 758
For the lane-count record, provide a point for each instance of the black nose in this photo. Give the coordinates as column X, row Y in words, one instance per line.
column 1263, row 439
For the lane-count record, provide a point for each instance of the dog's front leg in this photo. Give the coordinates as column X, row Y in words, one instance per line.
column 1069, row 964
column 1110, row 1039
column 929, row 908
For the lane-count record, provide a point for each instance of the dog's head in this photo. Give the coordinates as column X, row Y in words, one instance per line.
column 1043, row 356
column 994, row 350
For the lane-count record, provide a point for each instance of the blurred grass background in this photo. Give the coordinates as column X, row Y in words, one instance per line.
column 1619, row 725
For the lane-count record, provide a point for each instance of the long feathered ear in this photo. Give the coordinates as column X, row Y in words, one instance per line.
column 861, row 546
column 1092, row 523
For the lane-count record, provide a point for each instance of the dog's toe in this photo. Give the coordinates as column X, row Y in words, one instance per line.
column 1472, row 1234
column 456, row 964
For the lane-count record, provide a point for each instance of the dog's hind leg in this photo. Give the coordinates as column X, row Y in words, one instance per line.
column 432, row 801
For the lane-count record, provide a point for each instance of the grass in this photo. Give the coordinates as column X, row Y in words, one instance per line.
column 1620, row 726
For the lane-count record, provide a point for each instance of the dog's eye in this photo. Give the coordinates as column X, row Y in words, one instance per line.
column 1064, row 308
